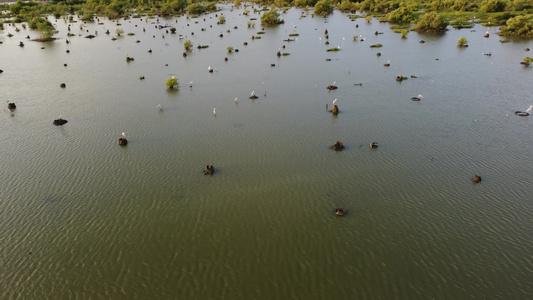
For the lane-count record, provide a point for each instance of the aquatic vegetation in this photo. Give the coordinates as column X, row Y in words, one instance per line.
column 294, row 34
column 518, row 26
column 270, row 18
column 527, row 61
column 172, row 82
column 323, row 7
column 333, row 49
column 43, row 26
column 431, row 22
column 187, row 44
column 462, row 42
column 376, row 46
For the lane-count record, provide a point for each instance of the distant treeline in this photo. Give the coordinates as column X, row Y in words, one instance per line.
column 513, row 16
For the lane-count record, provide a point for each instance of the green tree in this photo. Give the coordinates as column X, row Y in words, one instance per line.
column 491, row 6
column 270, row 18
column 300, row 3
column 196, row 8
column 431, row 21
column 60, row 9
column 518, row 26
column 45, row 27
column 347, row 6
column 119, row 31
column 404, row 33
column 171, row 82
column 462, row 42
column 323, row 7
column 460, row 5
column 221, row 20
column 400, row 15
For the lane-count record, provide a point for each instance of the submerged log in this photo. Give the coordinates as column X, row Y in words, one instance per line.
column 209, row 170
column 338, row 146
column 340, row 212
column 60, row 122
column 374, row 145
column 122, row 141
column 11, row 106
column 476, row 178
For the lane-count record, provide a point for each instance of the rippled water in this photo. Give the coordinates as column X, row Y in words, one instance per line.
column 83, row 218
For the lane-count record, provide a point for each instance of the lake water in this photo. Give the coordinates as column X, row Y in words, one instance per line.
column 84, row 218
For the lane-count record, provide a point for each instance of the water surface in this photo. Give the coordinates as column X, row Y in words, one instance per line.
column 82, row 217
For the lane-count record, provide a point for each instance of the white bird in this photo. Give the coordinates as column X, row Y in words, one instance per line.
column 236, row 100
column 319, row 39
column 334, row 82
column 252, row 94
column 190, row 83
column 60, row 117
column 123, row 135
column 529, row 109
column 215, row 112
column 209, row 68
column 343, row 39
column 160, row 107
column 334, row 101
column 338, row 47
column 420, row 96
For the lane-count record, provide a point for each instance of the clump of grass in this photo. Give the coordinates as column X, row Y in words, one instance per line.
column 354, row 17
column 333, row 49
column 261, row 32
column 131, row 33
column 90, row 36
column 286, row 54
column 294, row 34
column 376, row 46
column 461, row 24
